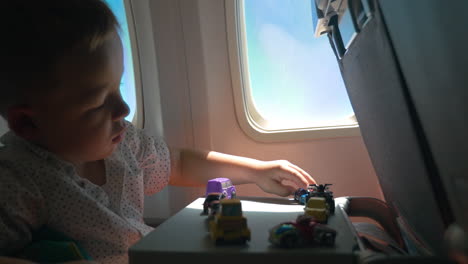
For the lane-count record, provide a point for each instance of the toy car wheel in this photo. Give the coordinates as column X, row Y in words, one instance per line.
column 327, row 239
column 290, row 241
column 332, row 207
column 233, row 195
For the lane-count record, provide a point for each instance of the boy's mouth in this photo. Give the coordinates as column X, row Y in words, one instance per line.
column 119, row 137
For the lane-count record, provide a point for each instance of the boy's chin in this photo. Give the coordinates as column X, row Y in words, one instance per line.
column 107, row 154
column 102, row 155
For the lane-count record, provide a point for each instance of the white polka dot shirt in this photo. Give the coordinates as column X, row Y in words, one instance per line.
column 37, row 188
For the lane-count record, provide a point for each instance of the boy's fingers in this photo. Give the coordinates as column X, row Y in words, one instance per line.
column 294, row 176
column 305, row 174
column 290, row 189
column 281, row 190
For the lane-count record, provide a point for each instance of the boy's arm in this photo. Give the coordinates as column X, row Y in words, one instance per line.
column 195, row 167
column 22, row 210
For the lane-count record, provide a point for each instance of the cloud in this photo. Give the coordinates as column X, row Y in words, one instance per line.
column 305, row 72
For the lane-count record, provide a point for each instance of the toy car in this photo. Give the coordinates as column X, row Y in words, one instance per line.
column 229, row 225
column 211, row 203
column 316, row 190
column 304, row 198
column 299, row 193
column 302, row 195
column 318, row 208
column 304, row 231
column 221, row 185
column 322, row 190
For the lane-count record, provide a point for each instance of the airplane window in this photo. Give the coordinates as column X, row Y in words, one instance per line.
column 346, row 28
column 292, row 77
column 127, row 84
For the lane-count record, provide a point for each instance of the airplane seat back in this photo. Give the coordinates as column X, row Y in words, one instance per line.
column 404, row 76
column 3, row 126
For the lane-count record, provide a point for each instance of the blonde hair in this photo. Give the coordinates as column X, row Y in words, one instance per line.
column 37, row 34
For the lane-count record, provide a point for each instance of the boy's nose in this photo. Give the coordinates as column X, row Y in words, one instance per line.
column 121, row 110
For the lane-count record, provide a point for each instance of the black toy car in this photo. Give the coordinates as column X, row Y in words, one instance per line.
column 299, row 192
column 322, row 190
column 316, row 190
column 211, row 203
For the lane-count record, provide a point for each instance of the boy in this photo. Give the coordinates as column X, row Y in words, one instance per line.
column 70, row 161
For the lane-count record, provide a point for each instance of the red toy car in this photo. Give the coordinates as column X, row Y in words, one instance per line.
column 304, row 231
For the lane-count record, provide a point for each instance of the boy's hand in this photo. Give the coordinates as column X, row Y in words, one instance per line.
column 273, row 175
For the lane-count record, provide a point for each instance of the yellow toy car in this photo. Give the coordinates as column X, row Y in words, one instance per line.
column 229, row 225
column 318, row 208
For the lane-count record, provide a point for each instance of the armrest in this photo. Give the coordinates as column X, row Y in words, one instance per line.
column 375, row 209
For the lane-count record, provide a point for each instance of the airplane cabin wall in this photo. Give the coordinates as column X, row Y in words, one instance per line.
column 198, row 105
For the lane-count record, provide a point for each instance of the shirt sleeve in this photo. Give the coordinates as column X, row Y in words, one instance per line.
column 22, row 210
column 153, row 157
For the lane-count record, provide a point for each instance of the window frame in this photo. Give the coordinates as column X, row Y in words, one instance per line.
column 250, row 121
column 138, row 118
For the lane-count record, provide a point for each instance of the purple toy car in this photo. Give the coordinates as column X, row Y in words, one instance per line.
column 221, row 185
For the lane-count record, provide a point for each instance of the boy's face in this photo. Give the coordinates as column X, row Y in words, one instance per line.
column 82, row 120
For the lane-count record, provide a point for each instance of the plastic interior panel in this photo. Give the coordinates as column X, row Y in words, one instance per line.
column 377, row 94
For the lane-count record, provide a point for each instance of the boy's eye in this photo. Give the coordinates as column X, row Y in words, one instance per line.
column 100, row 106
column 97, row 107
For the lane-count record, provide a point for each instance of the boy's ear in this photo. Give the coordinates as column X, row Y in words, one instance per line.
column 21, row 121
